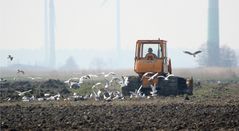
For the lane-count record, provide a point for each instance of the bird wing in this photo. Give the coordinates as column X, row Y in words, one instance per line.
column 126, row 80
column 18, row 92
column 138, row 91
column 187, row 52
column 151, row 78
column 197, row 52
column 170, row 75
column 161, row 77
column 27, row 91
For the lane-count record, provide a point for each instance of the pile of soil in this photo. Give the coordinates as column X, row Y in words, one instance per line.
column 38, row 88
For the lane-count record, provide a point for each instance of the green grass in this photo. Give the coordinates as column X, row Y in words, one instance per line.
column 222, row 91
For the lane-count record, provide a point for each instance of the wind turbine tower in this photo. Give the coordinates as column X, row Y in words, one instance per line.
column 213, row 33
column 50, row 29
column 118, row 47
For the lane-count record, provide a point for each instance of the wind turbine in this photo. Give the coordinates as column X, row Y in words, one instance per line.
column 50, row 30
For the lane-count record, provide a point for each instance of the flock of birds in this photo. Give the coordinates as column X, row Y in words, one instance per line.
column 98, row 93
column 104, row 90
column 19, row 71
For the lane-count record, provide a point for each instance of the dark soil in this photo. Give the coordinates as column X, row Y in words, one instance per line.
column 8, row 89
column 121, row 116
column 216, row 110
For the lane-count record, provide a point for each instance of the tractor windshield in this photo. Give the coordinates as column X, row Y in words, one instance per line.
column 151, row 48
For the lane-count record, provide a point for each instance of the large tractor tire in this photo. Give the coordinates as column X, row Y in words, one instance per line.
column 133, row 84
column 173, row 86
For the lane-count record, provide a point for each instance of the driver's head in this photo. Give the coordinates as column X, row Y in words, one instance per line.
column 150, row 50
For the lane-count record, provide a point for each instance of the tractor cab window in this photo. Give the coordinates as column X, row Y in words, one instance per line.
column 153, row 49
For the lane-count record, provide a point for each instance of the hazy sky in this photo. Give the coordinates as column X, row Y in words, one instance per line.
column 86, row 24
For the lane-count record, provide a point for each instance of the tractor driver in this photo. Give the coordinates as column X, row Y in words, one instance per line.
column 150, row 55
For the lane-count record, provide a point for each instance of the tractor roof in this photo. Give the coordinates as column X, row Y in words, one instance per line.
column 151, row 41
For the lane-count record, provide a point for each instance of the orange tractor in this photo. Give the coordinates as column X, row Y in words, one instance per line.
column 155, row 72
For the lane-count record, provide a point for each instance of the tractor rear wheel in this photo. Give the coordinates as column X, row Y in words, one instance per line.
column 173, row 86
column 133, row 84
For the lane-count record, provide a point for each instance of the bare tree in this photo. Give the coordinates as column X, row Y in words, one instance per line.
column 227, row 57
column 70, row 64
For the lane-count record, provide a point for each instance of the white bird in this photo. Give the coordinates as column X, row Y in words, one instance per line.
column 71, row 79
column 107, row 84
column 58, row 95
column 138, row 91
column 124, row 81
column 7, row 99
column 32, row 98
column 24, row 98
column 134, row 94
column 22, row 93
column 151, row 78
column 40, row 99
column 47, row 94
column 76, row 82
column 96, row 85
column 118, row 95
column 166, row 78
column 154, row 91
column 90, row 76
column 110, row 73
column 87, row 96
column 52, row 98
column 147, row 73
column 91, row 95
column 193, row 54
column 97, row 95
column 34, row 78
column 107, row 97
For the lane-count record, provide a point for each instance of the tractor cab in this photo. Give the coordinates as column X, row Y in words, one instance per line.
column 155, row 72
column 151, row 56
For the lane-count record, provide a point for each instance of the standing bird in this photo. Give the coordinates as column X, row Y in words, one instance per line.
column 10, row 57
column 193, row 54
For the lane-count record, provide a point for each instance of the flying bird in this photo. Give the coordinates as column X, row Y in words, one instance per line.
column 22, row 93
column 193, row 54
column 20, row 71
column 10, row 57
column 166, row 78
column 2, row 80
column 96, row 85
